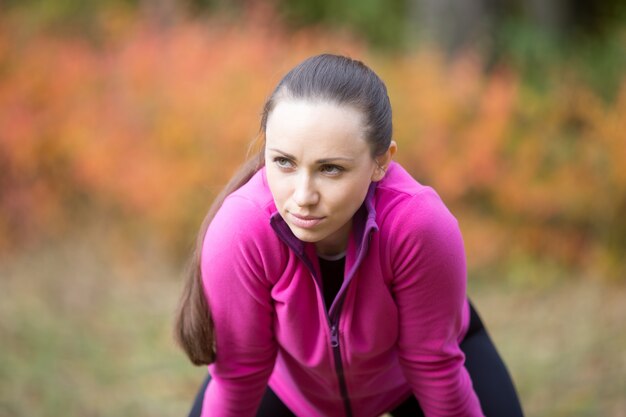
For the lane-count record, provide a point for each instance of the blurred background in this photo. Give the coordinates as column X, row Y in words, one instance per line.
column 120, row 120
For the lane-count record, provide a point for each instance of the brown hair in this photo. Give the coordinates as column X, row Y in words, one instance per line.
column 325, row 77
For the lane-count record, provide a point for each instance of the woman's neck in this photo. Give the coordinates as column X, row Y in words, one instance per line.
column 336, row 243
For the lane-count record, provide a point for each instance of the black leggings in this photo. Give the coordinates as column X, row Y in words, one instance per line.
column 489, row 375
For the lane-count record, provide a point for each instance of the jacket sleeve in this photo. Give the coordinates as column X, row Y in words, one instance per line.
column 429, row 287
column 234, row 267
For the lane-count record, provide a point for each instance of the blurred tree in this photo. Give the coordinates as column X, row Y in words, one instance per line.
column 450, row 24
column 391, row 24
column 455, row 24
column 382, row 22
column 161, row 11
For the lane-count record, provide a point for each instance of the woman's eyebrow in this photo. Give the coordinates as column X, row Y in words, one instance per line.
column 335, row 159
column 319, row 161
column 285, row 154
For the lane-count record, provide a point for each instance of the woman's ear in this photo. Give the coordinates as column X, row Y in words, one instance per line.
column 383, row 161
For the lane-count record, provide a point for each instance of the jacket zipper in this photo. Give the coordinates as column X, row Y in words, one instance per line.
column 333, row 324
column 334, row 338
column 343, row 388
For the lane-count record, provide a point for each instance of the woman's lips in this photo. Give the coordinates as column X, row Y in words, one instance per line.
column 304, row 222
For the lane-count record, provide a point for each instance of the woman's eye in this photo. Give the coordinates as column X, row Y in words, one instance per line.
column 332, row 169
column 282, row 162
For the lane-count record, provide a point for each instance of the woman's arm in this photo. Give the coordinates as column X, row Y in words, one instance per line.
column 429, row 288
column 235, row 266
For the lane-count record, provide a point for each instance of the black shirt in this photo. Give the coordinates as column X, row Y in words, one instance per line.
column 332, row 277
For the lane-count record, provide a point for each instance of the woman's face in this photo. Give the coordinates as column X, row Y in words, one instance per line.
column 319, row 168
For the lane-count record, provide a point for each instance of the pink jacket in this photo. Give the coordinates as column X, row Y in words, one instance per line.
column 394, row 328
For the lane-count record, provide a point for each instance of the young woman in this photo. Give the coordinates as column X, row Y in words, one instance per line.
column 327, row 281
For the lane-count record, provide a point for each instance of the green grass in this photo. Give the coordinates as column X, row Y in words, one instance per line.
column 565, row 344
column 83, row 334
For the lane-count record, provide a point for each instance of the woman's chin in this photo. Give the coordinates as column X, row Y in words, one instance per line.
column 306, row 235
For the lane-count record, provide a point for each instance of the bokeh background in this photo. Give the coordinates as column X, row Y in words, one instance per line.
column 120, row 120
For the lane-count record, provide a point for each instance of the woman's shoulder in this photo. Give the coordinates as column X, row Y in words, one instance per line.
column 240, row 233
column 417, row 231
column 244, row 214
column 400, row 198
column 249, row 206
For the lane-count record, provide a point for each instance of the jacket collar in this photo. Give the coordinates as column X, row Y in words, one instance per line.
column 363, row 225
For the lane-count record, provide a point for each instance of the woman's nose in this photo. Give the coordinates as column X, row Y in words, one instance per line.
column 305, row 193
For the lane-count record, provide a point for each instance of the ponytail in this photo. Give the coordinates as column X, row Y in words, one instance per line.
column 193, row 328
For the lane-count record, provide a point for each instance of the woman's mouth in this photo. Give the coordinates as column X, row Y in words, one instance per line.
column 304, row 222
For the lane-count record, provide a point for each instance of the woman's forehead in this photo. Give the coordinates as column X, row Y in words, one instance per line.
column 315, row 125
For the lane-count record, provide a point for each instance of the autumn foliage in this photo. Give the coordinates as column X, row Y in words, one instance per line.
column 140, row 128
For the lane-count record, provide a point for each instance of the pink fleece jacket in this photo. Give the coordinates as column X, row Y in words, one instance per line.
column 393, row 329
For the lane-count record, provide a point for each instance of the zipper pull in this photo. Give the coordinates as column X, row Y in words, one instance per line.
column 334, row 336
